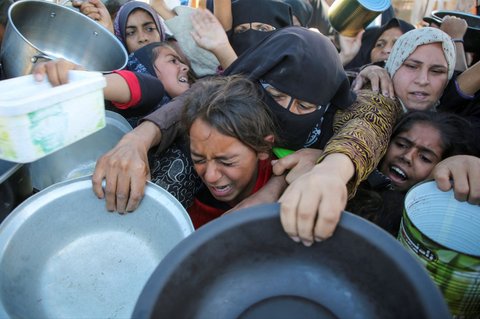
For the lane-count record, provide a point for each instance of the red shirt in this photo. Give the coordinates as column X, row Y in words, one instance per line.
column 201, row 212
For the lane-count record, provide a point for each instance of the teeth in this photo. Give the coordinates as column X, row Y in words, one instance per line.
column 182, row 79
column 399, row 172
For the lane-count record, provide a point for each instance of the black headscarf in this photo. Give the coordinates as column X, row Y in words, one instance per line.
column 275, row 13
column 392, row 23
column 141, row 61
column 303, row 64
column 369, row 39
column 302, row 9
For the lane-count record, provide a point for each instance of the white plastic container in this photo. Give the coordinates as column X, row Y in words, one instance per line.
column 37, row 119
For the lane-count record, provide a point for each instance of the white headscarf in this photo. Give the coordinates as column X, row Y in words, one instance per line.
column 408, row 42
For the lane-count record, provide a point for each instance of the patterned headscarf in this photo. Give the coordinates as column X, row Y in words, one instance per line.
column 408, row 43
column 120, row 23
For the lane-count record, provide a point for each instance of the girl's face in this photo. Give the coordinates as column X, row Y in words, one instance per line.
column 171, row 71
column 290, row 103
column 384, row 44
column 140, row 30
column 226, row 166
column 412, row 155
column 420, row 81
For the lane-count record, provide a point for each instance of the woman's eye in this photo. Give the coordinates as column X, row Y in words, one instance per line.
column 308, row 107
column 150, row 29
column 130, row 33
column 379, row 45
column 241, row 29
column 439, row 71
column 410, row 66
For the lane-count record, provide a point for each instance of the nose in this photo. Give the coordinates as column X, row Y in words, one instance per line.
column 142, row 36
column 212, row 174
column 408, row 156
column 184, row 67
column 422, row 77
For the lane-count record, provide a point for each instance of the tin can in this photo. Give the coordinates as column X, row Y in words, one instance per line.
column 444, row 235
column 349, row 17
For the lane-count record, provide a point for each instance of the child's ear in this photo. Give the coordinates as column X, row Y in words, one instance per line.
column 270, row 138
column 265, row 155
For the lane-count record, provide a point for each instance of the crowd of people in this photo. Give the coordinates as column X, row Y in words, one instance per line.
column 212, row 92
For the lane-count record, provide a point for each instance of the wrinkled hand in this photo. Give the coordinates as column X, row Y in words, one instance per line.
column 455, row 27
column 95, row 10
column 207, row 32
column 350, row 46
column 56, row 71
column 464, row 170
column 125, row 169
column 379, row 79
column 310, row 208
column 297, row 163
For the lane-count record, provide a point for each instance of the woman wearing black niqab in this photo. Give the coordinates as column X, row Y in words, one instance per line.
column 353, row 132
column 272, row 14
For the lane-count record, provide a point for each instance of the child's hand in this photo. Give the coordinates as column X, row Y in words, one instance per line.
column 207, row 31
column 56, row 71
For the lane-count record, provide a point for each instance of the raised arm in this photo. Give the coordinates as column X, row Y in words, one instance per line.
column 456, row 27
column 222, row 9
column 469, row 80
column 208, row 34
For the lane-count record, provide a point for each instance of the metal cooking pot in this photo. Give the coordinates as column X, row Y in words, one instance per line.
column 78, row 159
column 15, row 186
column 244, row 266
column 41, row 30
column 63, row 255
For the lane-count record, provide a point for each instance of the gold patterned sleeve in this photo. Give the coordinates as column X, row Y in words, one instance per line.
column 362, row 132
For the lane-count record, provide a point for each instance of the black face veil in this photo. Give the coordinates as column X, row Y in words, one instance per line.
column 303, row 64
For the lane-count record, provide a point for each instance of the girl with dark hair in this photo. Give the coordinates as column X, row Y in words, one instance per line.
column 419, row 142
column 230, row 133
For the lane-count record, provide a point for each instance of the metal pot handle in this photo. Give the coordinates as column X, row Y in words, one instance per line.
column 44, row 56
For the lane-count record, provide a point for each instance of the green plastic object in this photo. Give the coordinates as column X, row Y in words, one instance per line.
column 281, row 152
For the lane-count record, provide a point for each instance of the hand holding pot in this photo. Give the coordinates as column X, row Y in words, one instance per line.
column 95, row 10
column 464, row 171
column 310, row 208
column 125, row 169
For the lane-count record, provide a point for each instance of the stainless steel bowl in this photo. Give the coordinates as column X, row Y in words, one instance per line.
column 62, row 255
column 39, row 30
column 79, row 158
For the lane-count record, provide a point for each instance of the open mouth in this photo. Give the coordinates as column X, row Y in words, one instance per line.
column 220, row 190
column 398, row 173
column 183, row 79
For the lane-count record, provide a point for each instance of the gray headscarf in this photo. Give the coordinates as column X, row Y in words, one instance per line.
column 408, row 43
